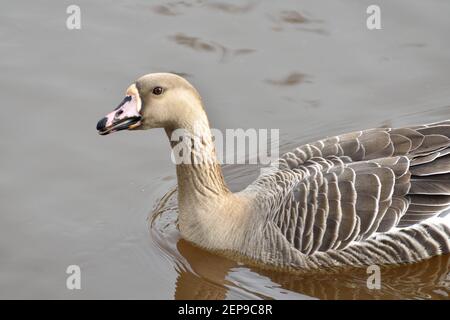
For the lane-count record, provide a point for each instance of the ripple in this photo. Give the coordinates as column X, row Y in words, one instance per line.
column 293, row 19
column 232, row 8
column 175, row 8
column 164, row 10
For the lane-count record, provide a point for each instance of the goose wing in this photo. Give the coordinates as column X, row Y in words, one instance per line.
column 343, row 189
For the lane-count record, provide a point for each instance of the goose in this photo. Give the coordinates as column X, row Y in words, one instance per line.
column 369, row 197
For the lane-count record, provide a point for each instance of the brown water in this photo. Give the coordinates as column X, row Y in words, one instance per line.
column 309, row 68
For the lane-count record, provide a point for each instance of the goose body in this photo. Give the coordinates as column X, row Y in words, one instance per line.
column 362, row 198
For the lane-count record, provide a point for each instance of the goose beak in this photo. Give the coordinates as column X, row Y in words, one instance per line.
column 125, row 116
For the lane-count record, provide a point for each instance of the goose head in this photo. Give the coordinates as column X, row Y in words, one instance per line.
column 156, row 100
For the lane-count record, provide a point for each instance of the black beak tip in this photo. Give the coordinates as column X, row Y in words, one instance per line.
column 101, row 124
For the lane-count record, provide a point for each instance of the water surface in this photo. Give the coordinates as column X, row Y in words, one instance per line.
column 309, row 68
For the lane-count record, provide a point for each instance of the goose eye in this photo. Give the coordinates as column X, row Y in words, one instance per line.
column 157, row 90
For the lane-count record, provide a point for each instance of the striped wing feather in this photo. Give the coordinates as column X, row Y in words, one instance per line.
column 349, row 187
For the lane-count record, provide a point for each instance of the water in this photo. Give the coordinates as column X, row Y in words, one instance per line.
column 309, row 68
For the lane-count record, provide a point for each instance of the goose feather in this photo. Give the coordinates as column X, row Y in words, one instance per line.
column 362, row 197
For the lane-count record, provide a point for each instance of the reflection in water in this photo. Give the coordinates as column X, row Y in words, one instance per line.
column 232, row 8
column 194, row 43
column 207, row 46
column 182, row 74
column 290, row 80
column 312, row 103
column 426, row 280
column 164, row 10
column 175, row 8
column 293, row 18
column 207, row 280
column 204, row 275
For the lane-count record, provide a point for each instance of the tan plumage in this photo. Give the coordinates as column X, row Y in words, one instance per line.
column 355, row 199
column 343, row 199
